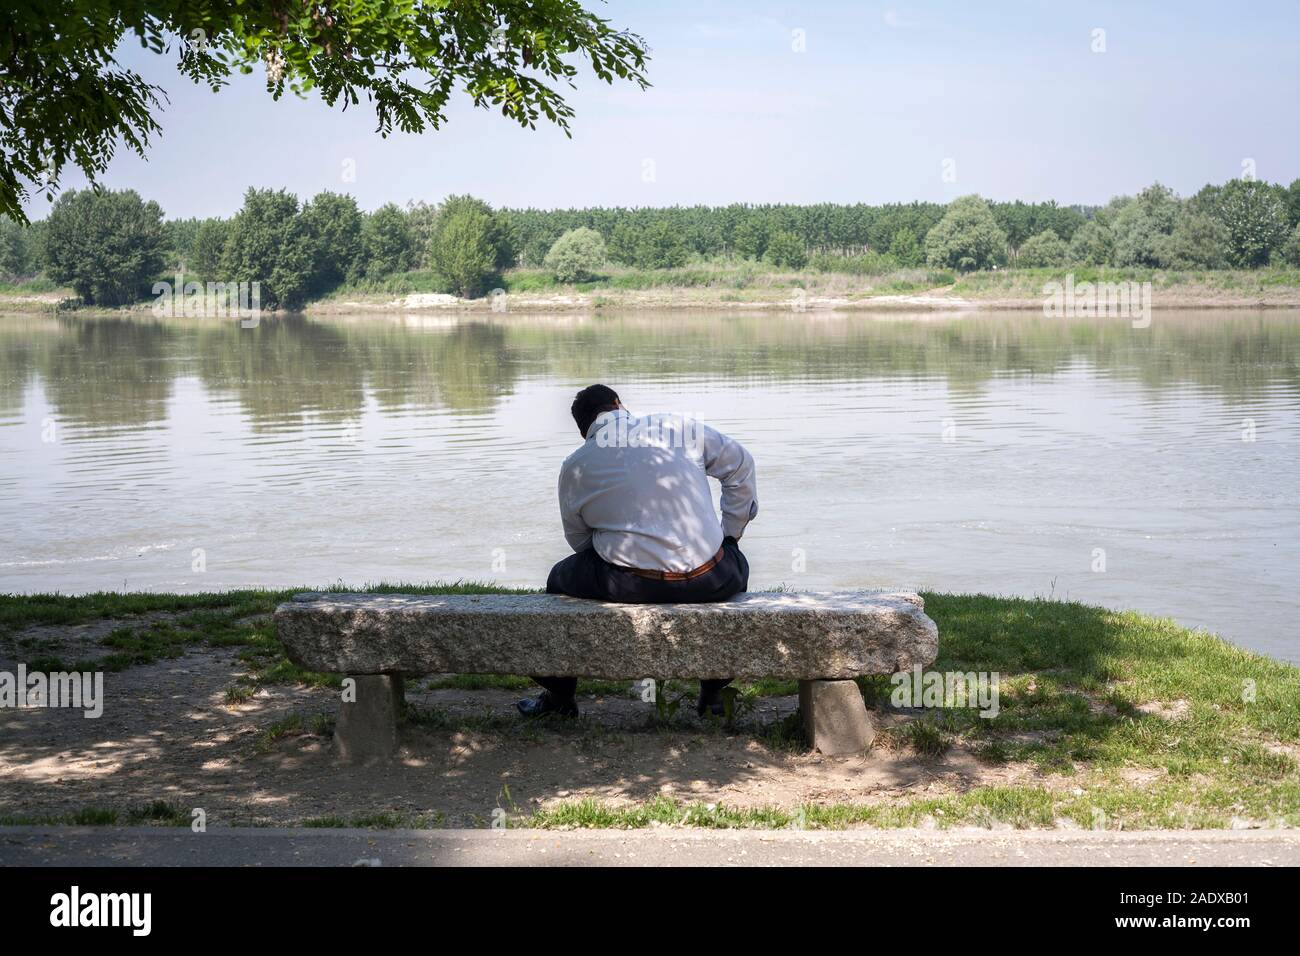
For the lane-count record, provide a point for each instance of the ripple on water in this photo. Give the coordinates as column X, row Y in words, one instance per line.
column 988, row 452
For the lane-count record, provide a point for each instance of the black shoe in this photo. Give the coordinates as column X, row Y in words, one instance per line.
column 544, row 704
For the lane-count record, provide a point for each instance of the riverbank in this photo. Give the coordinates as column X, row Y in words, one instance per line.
column 746, row 288
column 1106, row 720
column 742, row 289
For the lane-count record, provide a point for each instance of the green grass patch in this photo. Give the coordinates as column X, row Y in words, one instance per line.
column 1024, row 807
column 38, row 285
column 1091, row 698
column 155, row 813
column 240, row 618
column 1028, row 283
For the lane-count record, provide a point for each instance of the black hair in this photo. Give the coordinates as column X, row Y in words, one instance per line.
column 590, row 402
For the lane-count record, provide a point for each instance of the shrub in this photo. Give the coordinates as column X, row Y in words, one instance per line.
column 906, row 248
column 661, row 247
column 867, row 264
column 1092, row 244
column 576, row 255
column 750, row 239
column 109, row 246
column 1138, row 239
column 387, row 245
column 786, row 251
column 15, row 252
column 1292, row 201
column 1198, row 241
column 1290, row 251
column 268, row 244
column 334, row 227
column 209, row 244
column 966, row 238
column 422, row 221
column 463, row 251
column 499, row 233
column 623, row 244
column 1043, row 249
column 1255, row 219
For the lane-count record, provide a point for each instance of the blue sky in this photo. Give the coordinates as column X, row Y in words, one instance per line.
column 882, row 94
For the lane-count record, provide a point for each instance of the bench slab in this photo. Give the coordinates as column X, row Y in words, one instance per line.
column 799, row 635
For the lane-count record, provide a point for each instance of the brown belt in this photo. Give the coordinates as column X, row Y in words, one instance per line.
column 704, row 568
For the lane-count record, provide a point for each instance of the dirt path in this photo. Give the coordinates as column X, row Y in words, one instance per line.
column 167, row 733
column 136, row 846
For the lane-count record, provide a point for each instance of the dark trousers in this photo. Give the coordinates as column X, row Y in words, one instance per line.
column 588, row 575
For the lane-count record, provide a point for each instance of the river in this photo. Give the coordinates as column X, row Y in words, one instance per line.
column 1008, row 453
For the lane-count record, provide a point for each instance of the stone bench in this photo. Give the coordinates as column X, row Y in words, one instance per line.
column 821, row 639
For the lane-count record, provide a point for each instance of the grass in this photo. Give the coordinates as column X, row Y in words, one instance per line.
column 1028, row 283
column 1018, row 807
column 1073, row 681
column 37, row 285
column 741, row 281
column 291, row 726
column 401, row 283
column 854, row 277
column 160, row 626
column 154, row 813
column 925, row 737
column 1128, row 720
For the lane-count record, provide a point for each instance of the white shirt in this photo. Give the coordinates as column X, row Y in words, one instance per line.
column 638, row 491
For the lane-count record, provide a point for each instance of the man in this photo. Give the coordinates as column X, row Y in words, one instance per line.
column 638, row 512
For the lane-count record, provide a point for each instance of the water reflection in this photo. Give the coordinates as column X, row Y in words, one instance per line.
column 121, row 372
column 419, row 447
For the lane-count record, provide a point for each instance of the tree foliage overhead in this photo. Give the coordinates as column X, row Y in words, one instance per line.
column 66, row 100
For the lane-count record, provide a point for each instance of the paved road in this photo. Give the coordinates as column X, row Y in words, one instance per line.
column 154, row 846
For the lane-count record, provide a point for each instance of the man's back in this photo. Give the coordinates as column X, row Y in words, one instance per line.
column 638, row 513
column 637, row 490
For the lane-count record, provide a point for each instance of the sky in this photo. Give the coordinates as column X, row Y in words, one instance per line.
column 797, row 103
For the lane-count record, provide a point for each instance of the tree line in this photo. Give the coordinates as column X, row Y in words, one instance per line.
column 1240, row 224
column 109, row 246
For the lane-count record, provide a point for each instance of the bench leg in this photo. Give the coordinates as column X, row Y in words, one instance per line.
column 834, row 717
column 366, row 731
